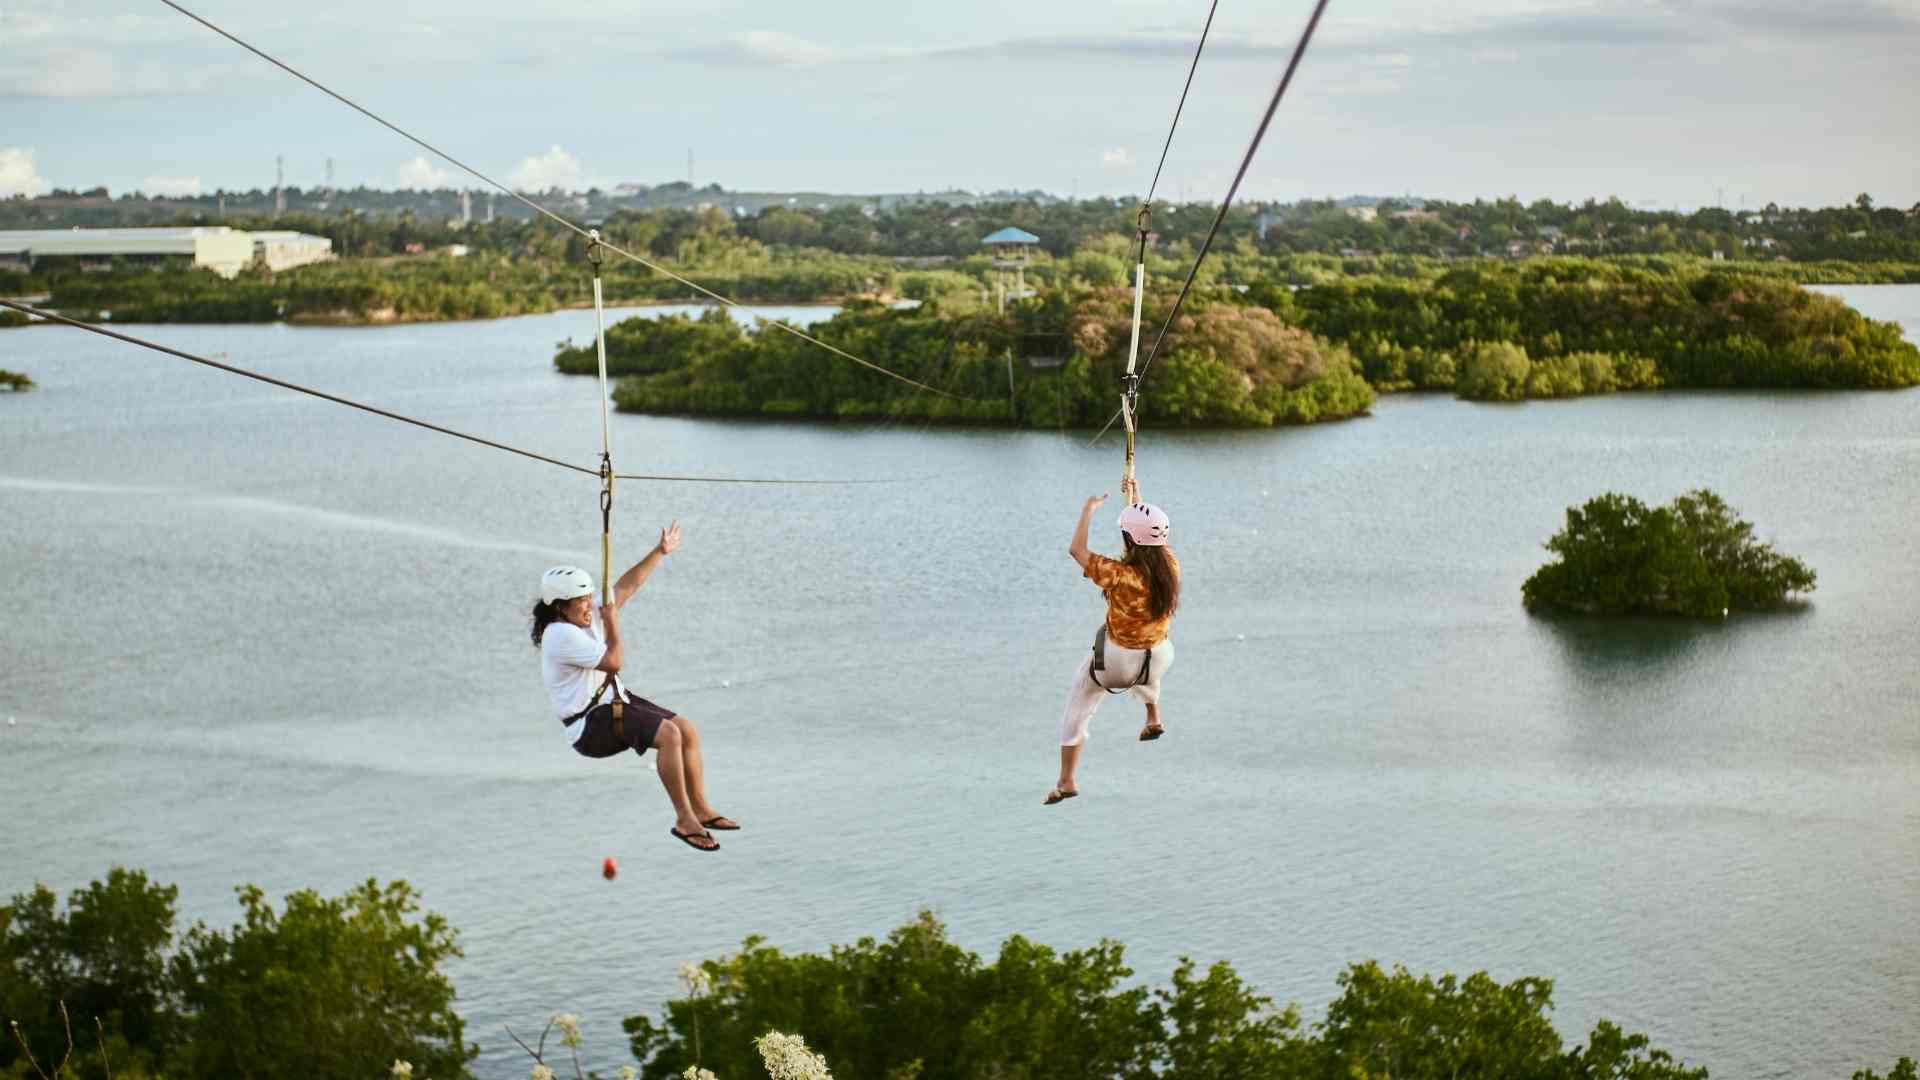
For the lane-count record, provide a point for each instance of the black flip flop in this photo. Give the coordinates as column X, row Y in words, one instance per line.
column 688, row 839
column 1058, row 796
column 1149, row 734
column 714, row 823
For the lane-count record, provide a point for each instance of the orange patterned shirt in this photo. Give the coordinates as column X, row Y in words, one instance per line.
column 1130, row 621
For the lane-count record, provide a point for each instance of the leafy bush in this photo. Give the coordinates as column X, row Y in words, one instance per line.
column 13, row 380
column 917, row 1005
column 1693, row 557
column 335, row 987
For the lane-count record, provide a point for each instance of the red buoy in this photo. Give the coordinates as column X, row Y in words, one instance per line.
column 609, row 869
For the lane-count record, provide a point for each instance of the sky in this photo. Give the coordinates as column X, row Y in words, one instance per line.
column 1663, row 103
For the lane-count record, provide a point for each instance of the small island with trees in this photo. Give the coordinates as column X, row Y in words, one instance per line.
column 1269, row 352
column 1693, row 557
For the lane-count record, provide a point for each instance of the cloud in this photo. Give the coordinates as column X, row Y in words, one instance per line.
column 554, row 169
column 426, row 176
column 62, row 73
column 1116, row 159
column 172, row 186
column 774, row 47
column 18, row 175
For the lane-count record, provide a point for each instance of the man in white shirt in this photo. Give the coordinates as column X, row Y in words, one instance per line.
column 580, row 657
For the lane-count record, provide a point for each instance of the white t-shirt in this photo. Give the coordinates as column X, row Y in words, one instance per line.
column 568, row 659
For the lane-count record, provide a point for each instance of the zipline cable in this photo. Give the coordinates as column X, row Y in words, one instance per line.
column 377, row 411
column 1130, row 382
column 1171, row 128
column 1246, row 162
column 536, row 207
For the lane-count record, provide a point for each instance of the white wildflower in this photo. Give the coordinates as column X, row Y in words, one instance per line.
column 401, row 1070
column 694, row 1072
column 628, row 1072
column 541, row 1072
column 569, row 1026
column 695, row 978
column 787, row 1058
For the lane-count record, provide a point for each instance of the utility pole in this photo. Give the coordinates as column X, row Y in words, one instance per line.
column 329, row 177
column 279, row 184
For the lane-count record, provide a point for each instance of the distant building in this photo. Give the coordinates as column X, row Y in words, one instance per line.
column 1362, row 213
column 223, row 250
column 283, row 250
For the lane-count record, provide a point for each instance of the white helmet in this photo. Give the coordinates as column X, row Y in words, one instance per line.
column 1146, row 524
column 565, row 583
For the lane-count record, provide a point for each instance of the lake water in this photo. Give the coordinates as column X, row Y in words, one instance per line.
column 254, row 637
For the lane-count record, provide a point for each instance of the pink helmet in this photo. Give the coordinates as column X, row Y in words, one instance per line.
column 1146, row 524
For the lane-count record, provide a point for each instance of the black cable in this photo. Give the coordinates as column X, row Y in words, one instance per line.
column 377, row 411
column 536, row 207
column 1246, row 163
column 1151, row 188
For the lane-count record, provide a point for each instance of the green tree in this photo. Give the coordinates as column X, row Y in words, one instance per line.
column 104, row 957
column 343, row 987
column 1617, row 555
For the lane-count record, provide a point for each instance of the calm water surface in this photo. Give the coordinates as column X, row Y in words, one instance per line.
column 259, row 638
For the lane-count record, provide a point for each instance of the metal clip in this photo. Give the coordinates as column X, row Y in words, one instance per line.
column 594, row 252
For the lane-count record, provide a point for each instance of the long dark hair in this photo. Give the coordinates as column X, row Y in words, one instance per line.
column 543, row 614
column 1163, row 581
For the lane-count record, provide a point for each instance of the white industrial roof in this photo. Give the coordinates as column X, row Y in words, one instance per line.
column 173, row 241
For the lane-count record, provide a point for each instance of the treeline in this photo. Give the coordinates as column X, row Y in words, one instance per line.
column 440, row 286
column 1054, row 362
column 1269, row 353
column 916, row 1005
column 1557, row 327
column 344, row 988
column 366, row 221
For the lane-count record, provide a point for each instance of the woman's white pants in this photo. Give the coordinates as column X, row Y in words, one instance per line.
column 1122, row 669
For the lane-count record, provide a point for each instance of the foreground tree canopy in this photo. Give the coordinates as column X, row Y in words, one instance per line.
column 917, row 1005
column 341, row 989
column 1692, row 557
column 322, row 988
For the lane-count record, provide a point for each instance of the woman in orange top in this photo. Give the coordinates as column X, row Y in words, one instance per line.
column 1132, row 650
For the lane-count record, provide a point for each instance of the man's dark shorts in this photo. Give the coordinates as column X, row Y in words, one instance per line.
column 640, row 721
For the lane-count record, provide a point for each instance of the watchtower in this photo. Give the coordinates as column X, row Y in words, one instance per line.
column 1011, row 249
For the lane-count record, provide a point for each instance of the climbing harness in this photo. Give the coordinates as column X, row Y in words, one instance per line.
column 1099, row 664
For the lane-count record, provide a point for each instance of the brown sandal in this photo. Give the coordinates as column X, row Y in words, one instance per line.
column 1058, row 796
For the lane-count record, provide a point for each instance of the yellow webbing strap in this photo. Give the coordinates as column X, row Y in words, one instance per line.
column 594, row 256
